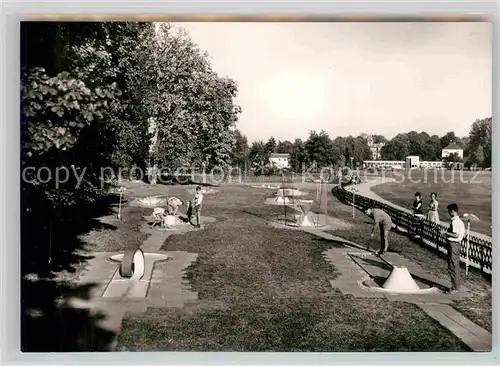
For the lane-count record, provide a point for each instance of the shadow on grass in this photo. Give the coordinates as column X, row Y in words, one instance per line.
column 51, row 248
column 49, row 325
column 262, row 217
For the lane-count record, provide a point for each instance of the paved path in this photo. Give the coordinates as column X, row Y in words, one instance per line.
column 168, row 287
column 352, row 276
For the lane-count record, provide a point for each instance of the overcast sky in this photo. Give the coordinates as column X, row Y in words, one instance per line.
column 349, row 78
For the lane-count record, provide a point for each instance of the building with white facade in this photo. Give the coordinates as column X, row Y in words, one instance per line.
column 280, row 161
column 411, row 162
column 452, row 149
column 384, row 164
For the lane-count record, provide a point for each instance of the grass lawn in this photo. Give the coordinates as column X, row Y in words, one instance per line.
column 118, row 235
column 265, row 289
column 471, row 194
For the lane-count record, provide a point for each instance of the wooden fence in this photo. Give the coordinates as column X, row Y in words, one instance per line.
column 480, row 255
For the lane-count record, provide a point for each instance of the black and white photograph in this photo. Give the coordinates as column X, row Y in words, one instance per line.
column 279, row 185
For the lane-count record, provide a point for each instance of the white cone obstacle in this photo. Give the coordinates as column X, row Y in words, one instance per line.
column 281, row 199
column 172, row 220
column 400, row 280
column 306, row 222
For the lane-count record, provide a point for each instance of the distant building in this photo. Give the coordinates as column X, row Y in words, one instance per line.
column 384, row 164
column 431, row 165
column 452, row 149
column 412, row 162
column 374, row 148
column 279, row 161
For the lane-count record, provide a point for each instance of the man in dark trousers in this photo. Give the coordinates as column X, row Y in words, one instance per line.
column 454, row 236
column 384, row 223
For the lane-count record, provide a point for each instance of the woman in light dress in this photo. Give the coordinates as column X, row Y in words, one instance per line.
column 432, row 213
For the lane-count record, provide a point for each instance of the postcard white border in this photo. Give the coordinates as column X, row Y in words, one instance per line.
column 14, row 11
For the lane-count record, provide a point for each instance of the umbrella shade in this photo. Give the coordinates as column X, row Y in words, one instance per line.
column 469, row 216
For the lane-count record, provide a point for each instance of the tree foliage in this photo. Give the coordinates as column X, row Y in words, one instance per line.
column 449, row 138
column 193, row 106
column 284, row 147
column 89, row 92
column 271, row 145
column 241, row 150
column 319, row 149
column 259, row 157
column 298, row 155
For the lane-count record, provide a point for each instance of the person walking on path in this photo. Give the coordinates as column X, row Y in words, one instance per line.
column 432, row 213
column 418, row 214
column 196, row 205
column 384, row 222
column 454, row 236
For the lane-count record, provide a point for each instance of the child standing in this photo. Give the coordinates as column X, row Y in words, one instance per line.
column 196, row 207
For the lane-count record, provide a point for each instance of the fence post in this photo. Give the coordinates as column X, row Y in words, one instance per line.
column 483, row 259
column 436, row 235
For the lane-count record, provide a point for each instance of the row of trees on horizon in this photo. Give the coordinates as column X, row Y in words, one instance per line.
column 324, row 150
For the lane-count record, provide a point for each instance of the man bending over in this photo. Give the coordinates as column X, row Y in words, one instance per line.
column 384, row 223
column 173, row 204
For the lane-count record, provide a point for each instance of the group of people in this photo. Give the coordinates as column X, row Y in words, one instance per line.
column 454, row 234
column 432, row 207
column 173, row 204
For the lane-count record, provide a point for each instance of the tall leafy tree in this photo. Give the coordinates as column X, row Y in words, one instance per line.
column 241, row 150
column 480, row 142
column 398, row 148
column 434, row 148
column 259, row 158
column 449, row 138
column 298, row 155
column 194, row 108
column 377, row 139
column 271, row 145
column 319, row 149
column 285, row 147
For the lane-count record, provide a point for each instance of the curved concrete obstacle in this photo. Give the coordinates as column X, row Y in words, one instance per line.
column 304, row 206
column 282, row 200
column 149, row 202
column 192, row 190
column 290, row 192
column 400, row 281
column 266, row 186
column 132, row 264
column 134, row 274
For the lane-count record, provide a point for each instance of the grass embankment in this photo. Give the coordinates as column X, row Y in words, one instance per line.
column 470, row 192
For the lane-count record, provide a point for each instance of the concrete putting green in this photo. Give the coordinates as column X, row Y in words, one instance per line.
column 386, row 277
column 134, row 274
column 150, row 201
